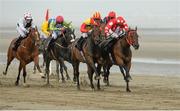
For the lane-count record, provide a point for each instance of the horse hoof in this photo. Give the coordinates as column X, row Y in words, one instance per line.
column 16, row 83
column 97, row 77
column 63, row 81
column 68, row 78
column 104, row 80
column 74, row 80
column 78, row 88
column 107, row 84
column 128, row 90
column 4, row 73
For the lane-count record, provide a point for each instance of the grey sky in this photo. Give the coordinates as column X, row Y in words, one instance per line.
column 141, row 13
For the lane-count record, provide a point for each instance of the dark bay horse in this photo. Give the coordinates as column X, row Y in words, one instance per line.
column 91, row 52
column 122, row 55
column 26, row 53
column 69, row 37
column 55, row 53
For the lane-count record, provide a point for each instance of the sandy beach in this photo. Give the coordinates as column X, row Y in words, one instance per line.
column 149, row 91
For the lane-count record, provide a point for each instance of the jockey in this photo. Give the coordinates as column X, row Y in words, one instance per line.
column 87, row 26
column 57, row 27
column 116, row 27
column 23, row 27
column 111, row 15
column 45, row 27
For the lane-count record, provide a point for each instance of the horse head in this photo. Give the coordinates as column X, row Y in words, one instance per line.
column 132, row 38
column 96, row 34
column 35, row 35
column 69, row 35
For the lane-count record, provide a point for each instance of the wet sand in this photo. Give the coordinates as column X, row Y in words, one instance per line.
column 148, row 92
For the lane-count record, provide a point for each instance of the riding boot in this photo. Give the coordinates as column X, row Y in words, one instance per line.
column 49, row 43
column 79, row 43
column 17, row 43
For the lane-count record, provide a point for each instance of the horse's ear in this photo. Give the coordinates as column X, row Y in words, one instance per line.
column 136, row 28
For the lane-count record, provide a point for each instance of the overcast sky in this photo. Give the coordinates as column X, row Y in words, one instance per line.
column 141, row 13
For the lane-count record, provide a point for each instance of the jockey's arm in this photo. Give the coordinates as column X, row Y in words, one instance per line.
column 52, row 26
column 44, row 28
column 67, row 25
column 21, row 25
column 83, row 28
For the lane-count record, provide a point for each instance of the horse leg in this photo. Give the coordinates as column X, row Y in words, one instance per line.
column 34, row 69
column 67, row 75
column 57, row 70
column 127, row 79
column 47, row 70
column 107, row 75
column 77, row 74
column 99, row 71
column 90, row 75
column 18, row 77
column 36, row 64
column 24, row 75
column 36, row 61
column 61, row 70
column 122, row 71
column 9, row 60
column 74, row 72
column 91, row 63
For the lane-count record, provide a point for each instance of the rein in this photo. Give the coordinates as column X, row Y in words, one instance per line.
column 128, row 39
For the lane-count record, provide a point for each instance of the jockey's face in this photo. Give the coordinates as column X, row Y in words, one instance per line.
column 111, row 18
column 98, row 21
column 28, row 20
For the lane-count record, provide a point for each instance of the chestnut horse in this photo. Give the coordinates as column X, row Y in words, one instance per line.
column 122, row 55
column 26, row 53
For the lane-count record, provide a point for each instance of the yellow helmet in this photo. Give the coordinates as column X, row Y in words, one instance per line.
column 96, row 15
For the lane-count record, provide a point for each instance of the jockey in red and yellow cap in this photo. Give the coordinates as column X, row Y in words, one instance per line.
column 87, row 24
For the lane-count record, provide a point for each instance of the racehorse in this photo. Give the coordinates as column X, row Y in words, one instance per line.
column 26, row 53
column 69, row 37
column 122, row 55
column 91, row 51
column 54, row 53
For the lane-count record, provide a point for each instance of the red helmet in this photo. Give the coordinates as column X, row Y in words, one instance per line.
column 112, row 14
column 59, row 19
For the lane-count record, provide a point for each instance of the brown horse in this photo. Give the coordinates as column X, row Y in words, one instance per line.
column 91, row 51
column 121, row 54
column 26, row 53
